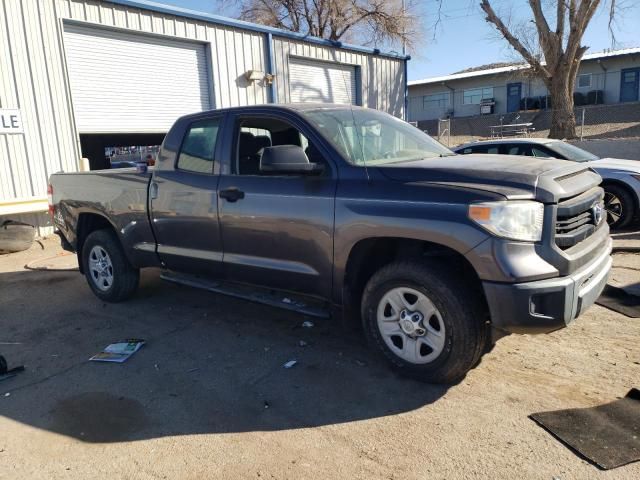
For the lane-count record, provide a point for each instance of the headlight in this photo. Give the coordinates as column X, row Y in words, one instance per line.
column 516, row 220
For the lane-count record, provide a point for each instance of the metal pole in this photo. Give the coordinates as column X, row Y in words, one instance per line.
column 582, row 125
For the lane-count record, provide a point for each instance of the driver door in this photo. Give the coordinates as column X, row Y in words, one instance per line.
column 277, row 229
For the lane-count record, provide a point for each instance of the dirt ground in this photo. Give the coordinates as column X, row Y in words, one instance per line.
column 208, row 396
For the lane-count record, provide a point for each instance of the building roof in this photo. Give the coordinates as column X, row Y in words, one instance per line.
column 513, row 68
column 232, row 22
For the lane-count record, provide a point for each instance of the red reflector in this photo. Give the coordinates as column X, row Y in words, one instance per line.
column 50, row 199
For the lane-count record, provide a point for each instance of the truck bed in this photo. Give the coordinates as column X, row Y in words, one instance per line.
column 119, row 195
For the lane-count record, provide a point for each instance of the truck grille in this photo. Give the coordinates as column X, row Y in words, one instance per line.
column 578, row 217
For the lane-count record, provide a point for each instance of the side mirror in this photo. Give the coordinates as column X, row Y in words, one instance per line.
column 287, row 159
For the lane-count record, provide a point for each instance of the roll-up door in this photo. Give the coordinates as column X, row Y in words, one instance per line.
column 327, row 82
column 123, row 82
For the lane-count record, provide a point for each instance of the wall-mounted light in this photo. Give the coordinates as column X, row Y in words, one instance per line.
column 254, row 75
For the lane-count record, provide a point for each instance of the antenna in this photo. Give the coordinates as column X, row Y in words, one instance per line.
column 355, row 127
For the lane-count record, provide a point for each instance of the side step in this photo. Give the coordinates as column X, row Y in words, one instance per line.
column 253, row 294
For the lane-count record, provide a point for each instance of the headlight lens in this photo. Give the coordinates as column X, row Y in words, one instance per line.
column 516, row 220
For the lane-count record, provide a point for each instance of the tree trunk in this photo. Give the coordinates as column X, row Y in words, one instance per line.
column 563, row 119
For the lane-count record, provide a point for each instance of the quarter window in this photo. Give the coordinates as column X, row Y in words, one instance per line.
column 584, row 80
column 196, row 154
column 474, row 96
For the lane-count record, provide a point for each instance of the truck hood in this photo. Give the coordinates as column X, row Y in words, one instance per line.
column 618, row 164
column 513, row 176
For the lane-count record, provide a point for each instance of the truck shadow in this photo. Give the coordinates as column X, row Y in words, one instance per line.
column 211, row 364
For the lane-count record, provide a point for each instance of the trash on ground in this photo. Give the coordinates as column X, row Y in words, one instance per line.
column 360, row 363
column 302, row 343
column 7, row 394
column 290, row 363
column 193, row 370
column 118, row 352
column 307, row 324
column 266, row 404
column 287, row 300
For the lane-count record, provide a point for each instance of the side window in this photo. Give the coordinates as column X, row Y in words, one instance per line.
column 539, row 152
column 196, row 154
column 466, row 151
column 495, row 150
column 513, row 150
column 256, row 134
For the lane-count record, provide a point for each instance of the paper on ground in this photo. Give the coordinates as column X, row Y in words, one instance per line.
column 118, row 352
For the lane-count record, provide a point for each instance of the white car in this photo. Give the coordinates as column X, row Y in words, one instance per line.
column 620, row 178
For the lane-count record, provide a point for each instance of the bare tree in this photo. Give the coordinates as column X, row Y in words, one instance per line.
column 555, row 55
column 365, row 21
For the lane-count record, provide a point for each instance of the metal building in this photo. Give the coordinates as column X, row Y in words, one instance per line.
column 78, row 76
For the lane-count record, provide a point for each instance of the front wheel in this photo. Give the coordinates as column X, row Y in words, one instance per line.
column 427, row 323
column 619, row 205
column 107, row 269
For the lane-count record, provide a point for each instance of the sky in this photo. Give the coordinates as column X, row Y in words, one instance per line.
column 464, row 39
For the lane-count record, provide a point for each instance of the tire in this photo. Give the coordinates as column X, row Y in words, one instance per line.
column 102, row 252
column 619, row 205
column 16, row 236
column 455, row 327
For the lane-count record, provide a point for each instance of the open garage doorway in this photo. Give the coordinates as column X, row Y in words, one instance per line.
column 113, row 150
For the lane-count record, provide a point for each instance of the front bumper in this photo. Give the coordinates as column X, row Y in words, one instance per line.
column 546, row 305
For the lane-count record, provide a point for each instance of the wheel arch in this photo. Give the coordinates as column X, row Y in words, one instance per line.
column 368, row 255
column 89, row 222
column 620, row 183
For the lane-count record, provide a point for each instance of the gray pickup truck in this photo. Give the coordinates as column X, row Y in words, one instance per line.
column 350, row 212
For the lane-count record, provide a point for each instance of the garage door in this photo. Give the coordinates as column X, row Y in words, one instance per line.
column 312, row 81
column 122, row 82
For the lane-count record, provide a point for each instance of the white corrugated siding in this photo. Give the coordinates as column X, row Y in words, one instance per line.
column 132, row 82
column 33, row 78
column 381, row 82
column 315, row 81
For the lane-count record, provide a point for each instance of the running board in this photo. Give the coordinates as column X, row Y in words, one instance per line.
column 252, row 294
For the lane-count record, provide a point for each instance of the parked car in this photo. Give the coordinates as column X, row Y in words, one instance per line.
column 620, row 178
column 332, row 209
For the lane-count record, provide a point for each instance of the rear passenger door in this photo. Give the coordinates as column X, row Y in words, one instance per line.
column 277, row 229
column 184, row 202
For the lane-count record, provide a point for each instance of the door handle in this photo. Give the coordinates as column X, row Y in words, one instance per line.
column 153, row 190
column 231, row 194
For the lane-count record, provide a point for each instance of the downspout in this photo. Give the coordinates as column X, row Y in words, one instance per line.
column 406, row 88
column 273, row 93
column 604, row 83
column 453, row 99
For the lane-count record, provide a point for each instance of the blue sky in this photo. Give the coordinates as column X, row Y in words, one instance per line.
column 464, row 39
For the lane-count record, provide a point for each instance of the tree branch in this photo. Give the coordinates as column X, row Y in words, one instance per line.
column 513, row 41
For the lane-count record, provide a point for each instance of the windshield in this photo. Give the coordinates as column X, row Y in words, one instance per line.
column 571, row 152
column 368, row 137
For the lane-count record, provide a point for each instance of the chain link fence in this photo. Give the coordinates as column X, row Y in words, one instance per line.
column 592, row 122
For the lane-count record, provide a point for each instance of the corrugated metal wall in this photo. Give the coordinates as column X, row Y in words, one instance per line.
column 33, row 78
column 381, row 78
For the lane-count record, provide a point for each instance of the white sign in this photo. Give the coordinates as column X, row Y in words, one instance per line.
column 10, row 121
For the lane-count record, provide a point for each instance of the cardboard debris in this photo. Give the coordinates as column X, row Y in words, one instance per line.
column 118, row 352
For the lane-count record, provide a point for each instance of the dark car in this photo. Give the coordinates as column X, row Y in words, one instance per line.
column 349, row 212
column 621, row 178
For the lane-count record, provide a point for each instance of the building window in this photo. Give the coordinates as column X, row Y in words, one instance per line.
column 584, row 80
column 474, row 96
column 437, row 100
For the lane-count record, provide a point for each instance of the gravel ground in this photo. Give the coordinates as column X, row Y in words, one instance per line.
column 208, row 397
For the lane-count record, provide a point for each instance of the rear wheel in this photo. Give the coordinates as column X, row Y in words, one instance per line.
column 619, row 205
column 427, row 323
column 108, row 272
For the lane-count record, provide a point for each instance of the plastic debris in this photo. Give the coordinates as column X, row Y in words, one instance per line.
column 307, row 324
column 287, row 300
column 7, row 394
column 302, row 343
column 266, row 404
column 360, row 363
column 290, row 363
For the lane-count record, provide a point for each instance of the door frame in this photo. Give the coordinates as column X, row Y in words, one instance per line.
column 509, row 85
column 637, row 83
